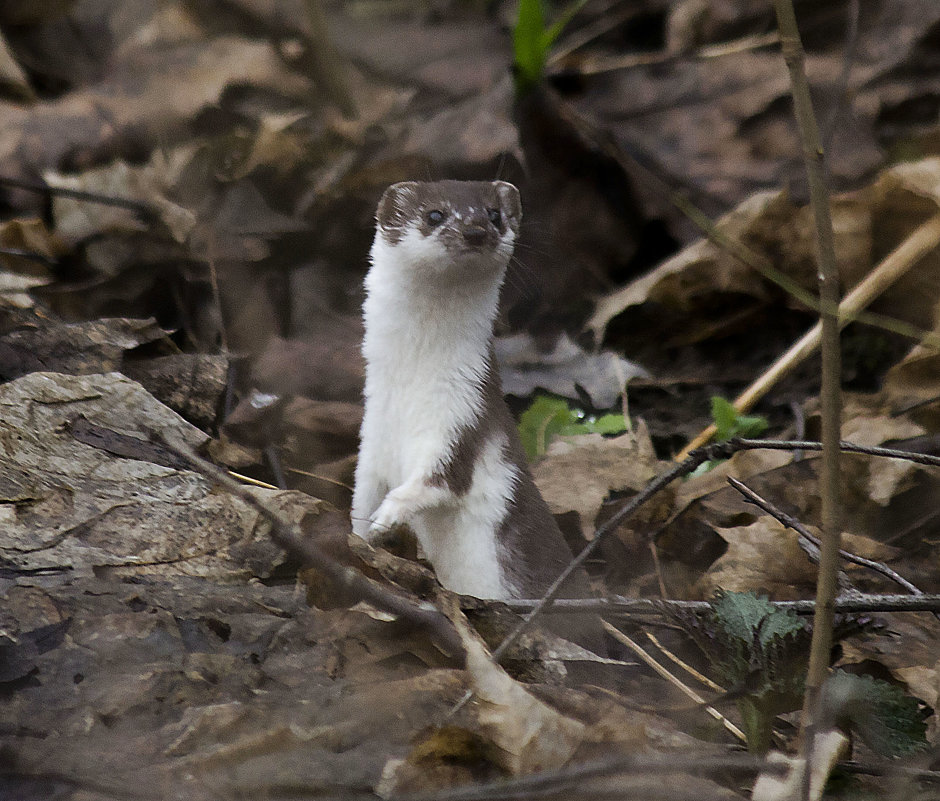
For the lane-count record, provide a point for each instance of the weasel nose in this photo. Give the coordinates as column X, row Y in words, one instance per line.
column 474, row 234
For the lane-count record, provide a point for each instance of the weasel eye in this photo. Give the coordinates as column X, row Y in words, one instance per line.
column 435, row 217
column 495, row 217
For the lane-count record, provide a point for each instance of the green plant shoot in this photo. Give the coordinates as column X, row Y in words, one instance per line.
column 730, row 423
column 531, row 39
column 550, row 417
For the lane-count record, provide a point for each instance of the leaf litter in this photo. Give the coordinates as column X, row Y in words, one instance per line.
column 154, row 639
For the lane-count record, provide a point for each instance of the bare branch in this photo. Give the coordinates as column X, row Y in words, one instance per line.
column 144, row 209
column 618, row 604
column 548, row 783
column 799, row 528
column 830, row 389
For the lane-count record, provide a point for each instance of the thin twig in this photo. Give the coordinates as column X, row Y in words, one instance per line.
column 700, row 677
column 804, row 532
column 735, row 445
column 618, row 604
column 289, row 536
column 551, row 782
column 217, row 294
column 319, row 477
column 598, row 65
column 579, row 38
column 923, row 240
column 142, row 208
column 830, row 390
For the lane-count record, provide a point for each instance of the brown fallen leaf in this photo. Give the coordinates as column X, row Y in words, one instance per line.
column 761, row 557
column 769, row 224
column 883, row 479
column 149, row 184
column 131, row 100
column 86, row 509
column 13, row 80
column 580, row 473
column 912, row 386
column 33, row 238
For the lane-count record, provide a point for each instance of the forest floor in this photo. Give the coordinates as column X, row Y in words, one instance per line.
column 187, row 192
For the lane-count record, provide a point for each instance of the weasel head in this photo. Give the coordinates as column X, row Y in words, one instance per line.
column 462, row 231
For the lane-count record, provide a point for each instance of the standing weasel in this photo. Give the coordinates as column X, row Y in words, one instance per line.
column 440, row 451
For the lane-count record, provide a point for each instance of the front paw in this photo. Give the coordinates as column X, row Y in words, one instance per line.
column 390, row 515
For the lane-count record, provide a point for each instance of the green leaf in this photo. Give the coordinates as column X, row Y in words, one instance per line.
column 752, row 426
column 759, row 652
column 531, row 40
column 545, row 418
column 550, row 417
column 740, row 613
column 884, row 716
column 731, row 424
column 728, row 424
column 609, row 424
column 723, row 415
column 528, row 42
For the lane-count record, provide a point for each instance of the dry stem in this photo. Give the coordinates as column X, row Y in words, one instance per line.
column 922, row 240
column 621, row 605
column 827, row 581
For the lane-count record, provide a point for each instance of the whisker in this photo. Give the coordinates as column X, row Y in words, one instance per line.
column 368, row 520
column 523, row 280
column 525, row 269
column 530, row 248
column 499, row 167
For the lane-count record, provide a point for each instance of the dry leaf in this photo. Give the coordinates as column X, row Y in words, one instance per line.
column 579, row 473
column 33, row 237
column 72, row 505
column 763, row 556
column 133, row 96
column 563, row 370
column 77, row 220
column 12, row 77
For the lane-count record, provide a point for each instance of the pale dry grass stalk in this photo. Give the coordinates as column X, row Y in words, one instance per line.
column 830, row 394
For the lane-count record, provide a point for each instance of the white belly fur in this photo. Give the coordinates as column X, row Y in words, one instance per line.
column 425, row 358
column 461, row 540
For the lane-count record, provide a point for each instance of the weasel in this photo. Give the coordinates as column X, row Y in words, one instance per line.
column 439, row 447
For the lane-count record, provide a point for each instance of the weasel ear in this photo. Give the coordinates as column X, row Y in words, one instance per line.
column 509, row 199
column 396, row 202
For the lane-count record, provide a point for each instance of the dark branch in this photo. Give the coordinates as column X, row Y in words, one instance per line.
column 651, row 606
